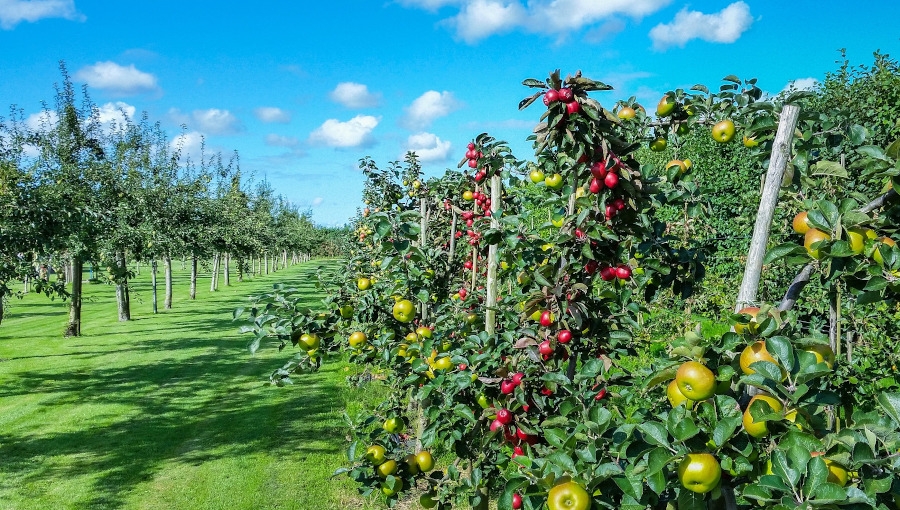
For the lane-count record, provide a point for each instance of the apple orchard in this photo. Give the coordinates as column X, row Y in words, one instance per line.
column 504, row 311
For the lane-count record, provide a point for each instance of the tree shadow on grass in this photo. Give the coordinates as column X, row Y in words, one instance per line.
column 195, row 413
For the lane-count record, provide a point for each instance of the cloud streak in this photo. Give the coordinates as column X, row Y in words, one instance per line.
column 725, row 26
column 13, row 12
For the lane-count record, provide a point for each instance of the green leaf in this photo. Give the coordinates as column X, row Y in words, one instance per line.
column 781, row 467
column 816, row 474
column 655, row 433
column 562, row 460
column 658, row 459
column 830, row 168
column 781, row 251
column 890, row 402
column 858, row 134
column 688, row 500
column 829, row 492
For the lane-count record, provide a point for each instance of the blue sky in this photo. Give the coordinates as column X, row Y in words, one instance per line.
column 303, row 90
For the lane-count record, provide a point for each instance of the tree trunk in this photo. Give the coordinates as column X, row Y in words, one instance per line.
column 168, row 263
column 226, row 271
column 193, row 276
column 240, row 269
column 2, row 297
column 266, row 259
column 214, row 281
column 74, row 326
column 122, row 298
column 153, row 285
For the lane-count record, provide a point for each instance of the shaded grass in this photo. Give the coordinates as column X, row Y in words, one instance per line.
column 166, row 411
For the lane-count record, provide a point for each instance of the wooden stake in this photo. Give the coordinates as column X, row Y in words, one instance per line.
column 780, row 158
column 491, row 304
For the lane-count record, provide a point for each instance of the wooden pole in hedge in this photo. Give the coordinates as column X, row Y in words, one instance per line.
column 780, row 158
column 491, row 287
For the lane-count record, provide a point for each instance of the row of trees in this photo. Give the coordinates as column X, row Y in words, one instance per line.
column 77, row 189
column 525, row 350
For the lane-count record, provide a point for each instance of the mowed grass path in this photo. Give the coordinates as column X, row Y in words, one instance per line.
column 167, row 411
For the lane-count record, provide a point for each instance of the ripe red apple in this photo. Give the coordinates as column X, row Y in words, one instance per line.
column 600, row 394
column 611, row 180
column 591, row 267
column 504, row 416
column 473, row 163
column 551, row 96
column 546, row 318
column 463, row 293
column 545, row 391
column 573, row 107
column 516, row 501
column 596, row 185
column 579, row 234
column 564, row 336
column 496, row 425
column 545, row 348
column 517, row 451
column 517, row 378
column 598, row 169
column 623, row 272
column 471, row 146
column 611, row 211
column 471, row 154
column 608, row 273
column 566, row 95
column 507, row 387
column 619, row 204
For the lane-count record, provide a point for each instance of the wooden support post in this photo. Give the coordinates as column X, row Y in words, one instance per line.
column 490, row 324
column 780, row 158
column 423, row 240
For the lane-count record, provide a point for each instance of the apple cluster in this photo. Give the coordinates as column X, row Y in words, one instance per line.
column 564, row 95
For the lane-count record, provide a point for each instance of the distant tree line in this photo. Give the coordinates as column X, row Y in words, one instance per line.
column 78, row 192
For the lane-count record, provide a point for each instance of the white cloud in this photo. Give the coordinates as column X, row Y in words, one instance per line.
column 118, row 113
column 281, row 141
column 272, row 114
column 428, row 107
column 429, row 5
column 428, row 147
column 355, row 132
column 13, row 12
column 726, row 26
column 478, row 19
column 317, row 201
column 212, row 121
column 802, row 84
column 42, row 121
column 216, row 121
column 188, row 144
column 116, row 79
column 354, row 95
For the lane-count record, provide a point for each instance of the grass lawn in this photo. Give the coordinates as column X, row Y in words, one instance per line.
column 167, row 411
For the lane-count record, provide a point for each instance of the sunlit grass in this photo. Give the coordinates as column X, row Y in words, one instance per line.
column 167, row 411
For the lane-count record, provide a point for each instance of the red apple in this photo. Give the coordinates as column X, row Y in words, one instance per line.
column 573, row 107
column 608, row 273
column 566, row 95
column 623, row 272
column 564, row 336
column 471, row 146
column 591, row 267
column 619, row 204
column 473, row 163
column 598, row 169
column 611, row 180
column 545, row 348
column 517, row 378
column 505, row 416
column 507, row 387
column 496, row 425
column 546, row 318
column 551, row 96
column 596, row 185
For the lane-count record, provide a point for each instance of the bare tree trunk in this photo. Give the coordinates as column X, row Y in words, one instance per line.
column 214, row 281
column 153, row 285
column 226, row 271
column 266, row 260
column 73, row 328
column 137, row 267
column 193, row 276
column 2, row 298
column 183, row 261
column 168, row 263
column 240, row 269
column 122, row 297
column 25, row 287
column 284, row 259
